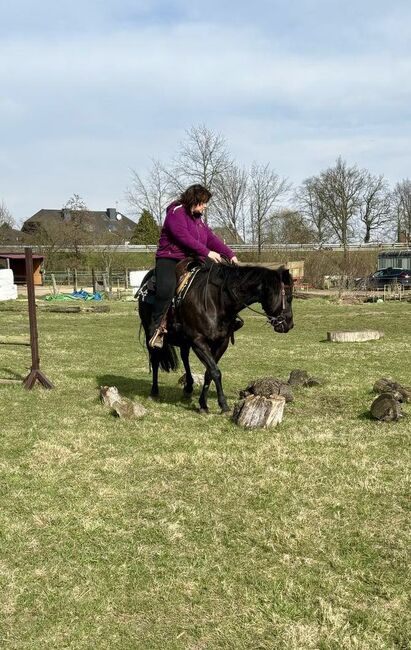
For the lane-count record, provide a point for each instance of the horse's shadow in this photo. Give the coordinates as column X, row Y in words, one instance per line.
column 131, row 387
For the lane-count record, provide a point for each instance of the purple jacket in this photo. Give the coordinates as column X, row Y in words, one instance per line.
column 183, row 235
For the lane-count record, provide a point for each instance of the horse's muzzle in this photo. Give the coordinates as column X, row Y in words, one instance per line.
column 281, row 324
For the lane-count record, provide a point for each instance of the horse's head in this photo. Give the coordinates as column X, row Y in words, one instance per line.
column 277, row 296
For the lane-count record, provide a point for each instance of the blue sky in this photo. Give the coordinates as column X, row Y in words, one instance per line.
column 91, row 89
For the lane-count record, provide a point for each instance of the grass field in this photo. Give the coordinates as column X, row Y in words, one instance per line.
column 183, row 531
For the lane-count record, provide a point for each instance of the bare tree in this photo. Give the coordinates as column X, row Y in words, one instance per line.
column 6, row 218
column 290, row 227
column 402, row 208
column 340, row 192
column 152, row 193
column 265, row 187
column 308, row 200
column 374, row 209
column 228, row 206
column 202, row 158
column 76, row 228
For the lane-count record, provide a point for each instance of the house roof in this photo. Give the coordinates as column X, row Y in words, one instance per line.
column 98, row 221
column 19, row 256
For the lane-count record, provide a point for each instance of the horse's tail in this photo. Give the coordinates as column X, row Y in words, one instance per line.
column 167, row 357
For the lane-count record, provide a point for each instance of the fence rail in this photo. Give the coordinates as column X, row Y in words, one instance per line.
column 252, row 248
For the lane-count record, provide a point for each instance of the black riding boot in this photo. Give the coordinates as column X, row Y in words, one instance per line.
column 165, row 288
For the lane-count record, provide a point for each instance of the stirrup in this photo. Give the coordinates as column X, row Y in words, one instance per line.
column 157, row 339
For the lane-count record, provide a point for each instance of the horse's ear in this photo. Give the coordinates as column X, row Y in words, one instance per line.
column 286, row 276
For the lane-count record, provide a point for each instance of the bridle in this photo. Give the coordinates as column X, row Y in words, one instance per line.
column 280, row 320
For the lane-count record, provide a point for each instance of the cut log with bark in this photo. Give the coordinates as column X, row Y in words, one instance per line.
column 398, row 391
column 123, row 406
column 259, row 412
column 354, row 337
column 386, row 408
column 268, row 387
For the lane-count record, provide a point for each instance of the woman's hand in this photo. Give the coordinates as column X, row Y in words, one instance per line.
column 216, row 257
column 234, row 260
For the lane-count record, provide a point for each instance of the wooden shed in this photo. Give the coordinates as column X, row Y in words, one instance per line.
column 17, row 263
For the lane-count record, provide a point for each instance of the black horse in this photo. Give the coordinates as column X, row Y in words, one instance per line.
column 208, row 316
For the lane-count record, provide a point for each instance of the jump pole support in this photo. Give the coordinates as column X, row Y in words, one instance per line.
column 35, row 372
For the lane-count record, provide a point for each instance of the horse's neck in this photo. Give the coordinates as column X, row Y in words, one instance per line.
column 245, row 292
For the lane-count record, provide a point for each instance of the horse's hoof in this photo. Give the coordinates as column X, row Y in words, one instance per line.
column 153, row 398
column 226, row 411
column 203, row 411
column 187, row 392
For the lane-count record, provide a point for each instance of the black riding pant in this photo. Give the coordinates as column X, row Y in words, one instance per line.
column 165, row 288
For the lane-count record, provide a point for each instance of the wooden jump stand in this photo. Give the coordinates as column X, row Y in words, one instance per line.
column 35, row 373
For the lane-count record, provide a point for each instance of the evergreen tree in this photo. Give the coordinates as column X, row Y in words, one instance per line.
column 146, row 231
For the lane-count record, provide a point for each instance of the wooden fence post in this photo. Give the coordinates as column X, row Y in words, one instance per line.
column 35, row 372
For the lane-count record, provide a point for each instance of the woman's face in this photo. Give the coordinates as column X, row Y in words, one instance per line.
column 200, row 207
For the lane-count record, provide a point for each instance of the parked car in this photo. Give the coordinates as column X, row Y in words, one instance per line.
column 388, row 276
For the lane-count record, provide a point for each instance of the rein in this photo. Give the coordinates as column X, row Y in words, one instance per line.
column 273, row 320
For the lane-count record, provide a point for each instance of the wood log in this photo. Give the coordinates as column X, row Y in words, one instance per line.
column 63, row 309
column 386, row 408
column 255, row 411
column 398, row 391
column 122, row 406
column 96, row 309
column 14, row 340
column 354, row 337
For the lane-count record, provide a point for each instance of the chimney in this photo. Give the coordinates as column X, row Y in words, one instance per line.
column 112, row 214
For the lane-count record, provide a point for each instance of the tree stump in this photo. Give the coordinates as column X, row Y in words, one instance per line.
column 124, row 407
column 259, row 412
column 268, row 387
column 386, row 408
column 398, row 391
column 354, row 337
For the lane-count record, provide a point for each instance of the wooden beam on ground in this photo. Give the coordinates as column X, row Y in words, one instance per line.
column 354, row 337
column 14, row 340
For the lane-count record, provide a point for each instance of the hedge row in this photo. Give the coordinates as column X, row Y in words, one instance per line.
column 317, row 264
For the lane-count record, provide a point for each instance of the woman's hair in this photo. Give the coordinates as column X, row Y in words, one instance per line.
column 194, row 195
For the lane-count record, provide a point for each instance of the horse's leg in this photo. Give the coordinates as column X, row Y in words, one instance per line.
column 213, row 372
column 154, row 367
column 188, row 385
column 204, row 392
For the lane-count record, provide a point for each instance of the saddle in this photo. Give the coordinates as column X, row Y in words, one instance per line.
column 185, row 273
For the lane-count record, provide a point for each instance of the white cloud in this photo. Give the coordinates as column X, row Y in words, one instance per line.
column 79, row 109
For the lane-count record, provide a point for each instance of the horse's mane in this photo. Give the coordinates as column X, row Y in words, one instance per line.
column 232, row 277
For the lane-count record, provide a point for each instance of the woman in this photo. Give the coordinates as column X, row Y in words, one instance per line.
column 184, row 234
